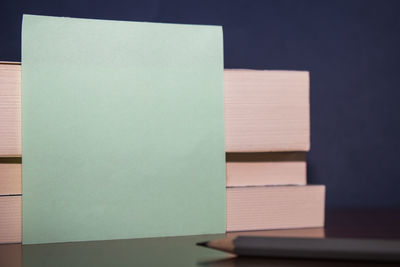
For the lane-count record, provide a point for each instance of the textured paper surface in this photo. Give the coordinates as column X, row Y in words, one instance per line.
column 10, row 179
column 267, row 111
column 266, row 173
column 10, row 109
column 274, row 207
column 123, row 132
column 10, row 222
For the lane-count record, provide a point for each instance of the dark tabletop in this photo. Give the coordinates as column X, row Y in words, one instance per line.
column 182, row 251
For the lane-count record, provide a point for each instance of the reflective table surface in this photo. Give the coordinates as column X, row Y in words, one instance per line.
column 182, row 251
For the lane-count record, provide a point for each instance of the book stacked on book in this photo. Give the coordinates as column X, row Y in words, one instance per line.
column 10, row 152
column 267, row 137
column 267, row 126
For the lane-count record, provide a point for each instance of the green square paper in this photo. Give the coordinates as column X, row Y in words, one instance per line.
column 122, row 129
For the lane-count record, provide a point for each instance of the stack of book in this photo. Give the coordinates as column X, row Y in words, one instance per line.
column 267, row 136
column 267, row 126
column 10, row 152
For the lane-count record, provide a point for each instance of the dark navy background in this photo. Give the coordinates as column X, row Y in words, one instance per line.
column 351, row 48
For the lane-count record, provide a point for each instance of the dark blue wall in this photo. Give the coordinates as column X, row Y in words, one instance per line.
column 352, row 49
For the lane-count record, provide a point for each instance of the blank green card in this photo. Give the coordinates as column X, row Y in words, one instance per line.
column 122, row 129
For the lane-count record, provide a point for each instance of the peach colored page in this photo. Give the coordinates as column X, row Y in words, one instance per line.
column 274, row 207
column 303, row 232
column 10, row 219
column 10, row 179
column 266, row 110
column 10, row 109
column 265, row 173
